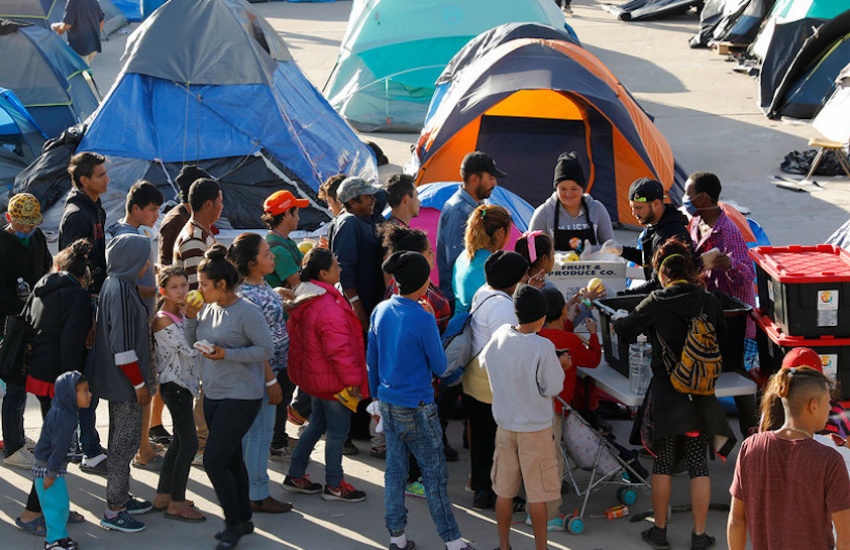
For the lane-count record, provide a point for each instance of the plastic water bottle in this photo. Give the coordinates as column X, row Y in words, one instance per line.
column 640, row 371
column 22, row 289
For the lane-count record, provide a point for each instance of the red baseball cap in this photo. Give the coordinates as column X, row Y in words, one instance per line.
column 281, row 201
column 802, row 357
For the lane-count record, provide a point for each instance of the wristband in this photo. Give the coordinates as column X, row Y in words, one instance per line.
column 587, row 303
column 140, row 386
column 354, row 298
column 271, row 382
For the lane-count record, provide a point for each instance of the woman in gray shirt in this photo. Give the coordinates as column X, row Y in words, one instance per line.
column 233, row 377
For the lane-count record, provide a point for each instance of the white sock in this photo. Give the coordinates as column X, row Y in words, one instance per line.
column 457, row 544
column 401, row 541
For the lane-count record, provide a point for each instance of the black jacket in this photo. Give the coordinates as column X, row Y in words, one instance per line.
column 672, row 224
column 27, row 262
column 665, row 313
column 61, row 316
column 85, row 219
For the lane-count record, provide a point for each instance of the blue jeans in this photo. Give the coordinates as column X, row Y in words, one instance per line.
column 333, row 418
column 255, row 450
column 14, row 403
column 416, row 431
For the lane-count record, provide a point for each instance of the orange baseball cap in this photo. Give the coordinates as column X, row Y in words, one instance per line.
column 280, row 201
column 802, row 357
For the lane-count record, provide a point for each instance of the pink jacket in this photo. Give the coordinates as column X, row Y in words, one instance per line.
column 326, row 348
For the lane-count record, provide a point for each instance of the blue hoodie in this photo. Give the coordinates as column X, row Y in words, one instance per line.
column 51, row 451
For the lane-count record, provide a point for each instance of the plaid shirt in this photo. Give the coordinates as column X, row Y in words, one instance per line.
column 439, row 303
column 737, row 281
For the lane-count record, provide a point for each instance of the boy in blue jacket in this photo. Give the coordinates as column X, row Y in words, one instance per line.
column 51, row 456
column 404, row 354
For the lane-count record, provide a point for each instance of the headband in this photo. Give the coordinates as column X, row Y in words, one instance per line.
column 664, row 261
column 532, row 246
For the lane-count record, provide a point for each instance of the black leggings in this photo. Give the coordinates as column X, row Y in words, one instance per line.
column 669, row 451
column 178, row 460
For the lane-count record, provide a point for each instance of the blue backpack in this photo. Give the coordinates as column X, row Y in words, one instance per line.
column 457, row 343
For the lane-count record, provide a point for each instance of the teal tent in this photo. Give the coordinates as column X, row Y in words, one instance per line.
column 394, row 50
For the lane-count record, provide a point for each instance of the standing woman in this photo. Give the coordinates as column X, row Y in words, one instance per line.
column 673, row 425
column 233, row 377
column 254, row 260
column 570, row 216
column 487, row 231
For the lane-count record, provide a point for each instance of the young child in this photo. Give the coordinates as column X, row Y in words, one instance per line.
column 179, row 383
column 789, row 490
column 122, row 359
column 522, row 407
column 400, row 377
column 51, row 456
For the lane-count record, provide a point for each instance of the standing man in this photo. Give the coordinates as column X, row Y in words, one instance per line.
column 403, row 198
column 196, row 237
column 662, row 221
column 23, row 248
column 479, row 173
column 177, row 218
column 83, row 20
column 730, row 270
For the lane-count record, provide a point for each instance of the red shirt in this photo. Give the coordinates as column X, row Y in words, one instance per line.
column 583, row 356
column 790, row 489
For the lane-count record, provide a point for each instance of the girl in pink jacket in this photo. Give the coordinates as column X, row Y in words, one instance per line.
column 326, row 356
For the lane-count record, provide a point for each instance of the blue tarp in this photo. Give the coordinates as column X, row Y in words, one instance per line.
column 132, row 9
column 435, row 195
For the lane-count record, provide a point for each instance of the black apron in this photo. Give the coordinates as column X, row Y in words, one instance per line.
column 573, row 239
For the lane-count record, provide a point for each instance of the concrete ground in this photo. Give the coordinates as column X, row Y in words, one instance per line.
column 709, row 116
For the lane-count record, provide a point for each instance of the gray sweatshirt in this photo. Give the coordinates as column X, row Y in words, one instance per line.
column 522, row 390
column 543, row 218
column 243, row 332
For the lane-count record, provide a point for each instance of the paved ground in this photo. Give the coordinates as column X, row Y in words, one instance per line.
column 710, row 118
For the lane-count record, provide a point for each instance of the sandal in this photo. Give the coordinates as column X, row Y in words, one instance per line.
column 37, row 526
column 152, row 465
column 182, row 516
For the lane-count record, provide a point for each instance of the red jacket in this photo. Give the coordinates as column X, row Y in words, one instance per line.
column 587, row 356
column 326, row 348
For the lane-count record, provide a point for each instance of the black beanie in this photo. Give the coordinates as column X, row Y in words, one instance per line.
column 504, row 269
column 410, row 269
column 569, row 168
column 555, row 303
column 529, row 304
column 187, row 176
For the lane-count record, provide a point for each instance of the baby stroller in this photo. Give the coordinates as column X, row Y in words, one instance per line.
column 585, row 448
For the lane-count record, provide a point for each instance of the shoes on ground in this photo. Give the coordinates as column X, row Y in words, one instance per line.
column 349, row 449
column 244, row 529
column 158, row 434
column 379, row 451
column 199, row 459
column 137, row 506
column 410, row 546
column 152, row 465
column 415, row 489
column 21, row 458
column 270, row 505
column 702, row 542
column 123, row 522
column 99, row 468
column 30, row 445
column 656, row 538
column 484, row 500
column 451, row 452
column 554, row 524
column 344, row 492
column 280, row 454
column 301, row 485
column 61, row 544
column 295, row 418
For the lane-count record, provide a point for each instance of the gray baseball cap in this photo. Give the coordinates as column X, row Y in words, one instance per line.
column 354, row 187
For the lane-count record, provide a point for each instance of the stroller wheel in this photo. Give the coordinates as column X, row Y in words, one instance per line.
column 575, row 526
column 626, row 495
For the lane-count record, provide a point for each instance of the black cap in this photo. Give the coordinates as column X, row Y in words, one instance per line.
column 410, row 269
column 187, row 176
column 504, row 269
column 476, row 162
column 646, row 190
column 569, row 168
column 555, row 302
column 529, row 304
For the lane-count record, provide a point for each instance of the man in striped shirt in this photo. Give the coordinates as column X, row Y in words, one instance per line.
column 196, row 237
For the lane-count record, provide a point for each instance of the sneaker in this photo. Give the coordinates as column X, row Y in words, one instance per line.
column 123, row 522
column 137, row 506
column 29, row 444
column 295, row 418
column 410, row 546
column 466, row 546
column 349, row 449
column 554, row 524
column 415, row 489
column 21, row 458
column 484, row 500
column 61, row 544
column 158, row 434
column 98, row 469
column 451, row 453
column 379, row 451
column 701, row 542
column 343, row 492
column 199, row 459
column 656, row 538
column 280, row 454
column 301, row 485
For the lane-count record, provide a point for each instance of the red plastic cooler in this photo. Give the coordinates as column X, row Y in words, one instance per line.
column 773, row 345
column 805, row 289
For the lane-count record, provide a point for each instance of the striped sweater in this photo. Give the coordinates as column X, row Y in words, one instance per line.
column 189, row 248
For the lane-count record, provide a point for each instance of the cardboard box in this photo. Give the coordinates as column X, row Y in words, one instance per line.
column 571, row 277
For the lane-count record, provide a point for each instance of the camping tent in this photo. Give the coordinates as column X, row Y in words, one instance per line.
column 527, row 101
column 796, row 83
column 641, row 10
column 50, row 79
column 20, row 139
column 132, row 9
column 833, row 121
column 435, row 195
column 231, row 99
column 394, row 50
column 38, row 12
column 733, row 21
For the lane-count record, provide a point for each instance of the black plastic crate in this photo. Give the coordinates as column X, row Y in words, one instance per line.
column 616, row 348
